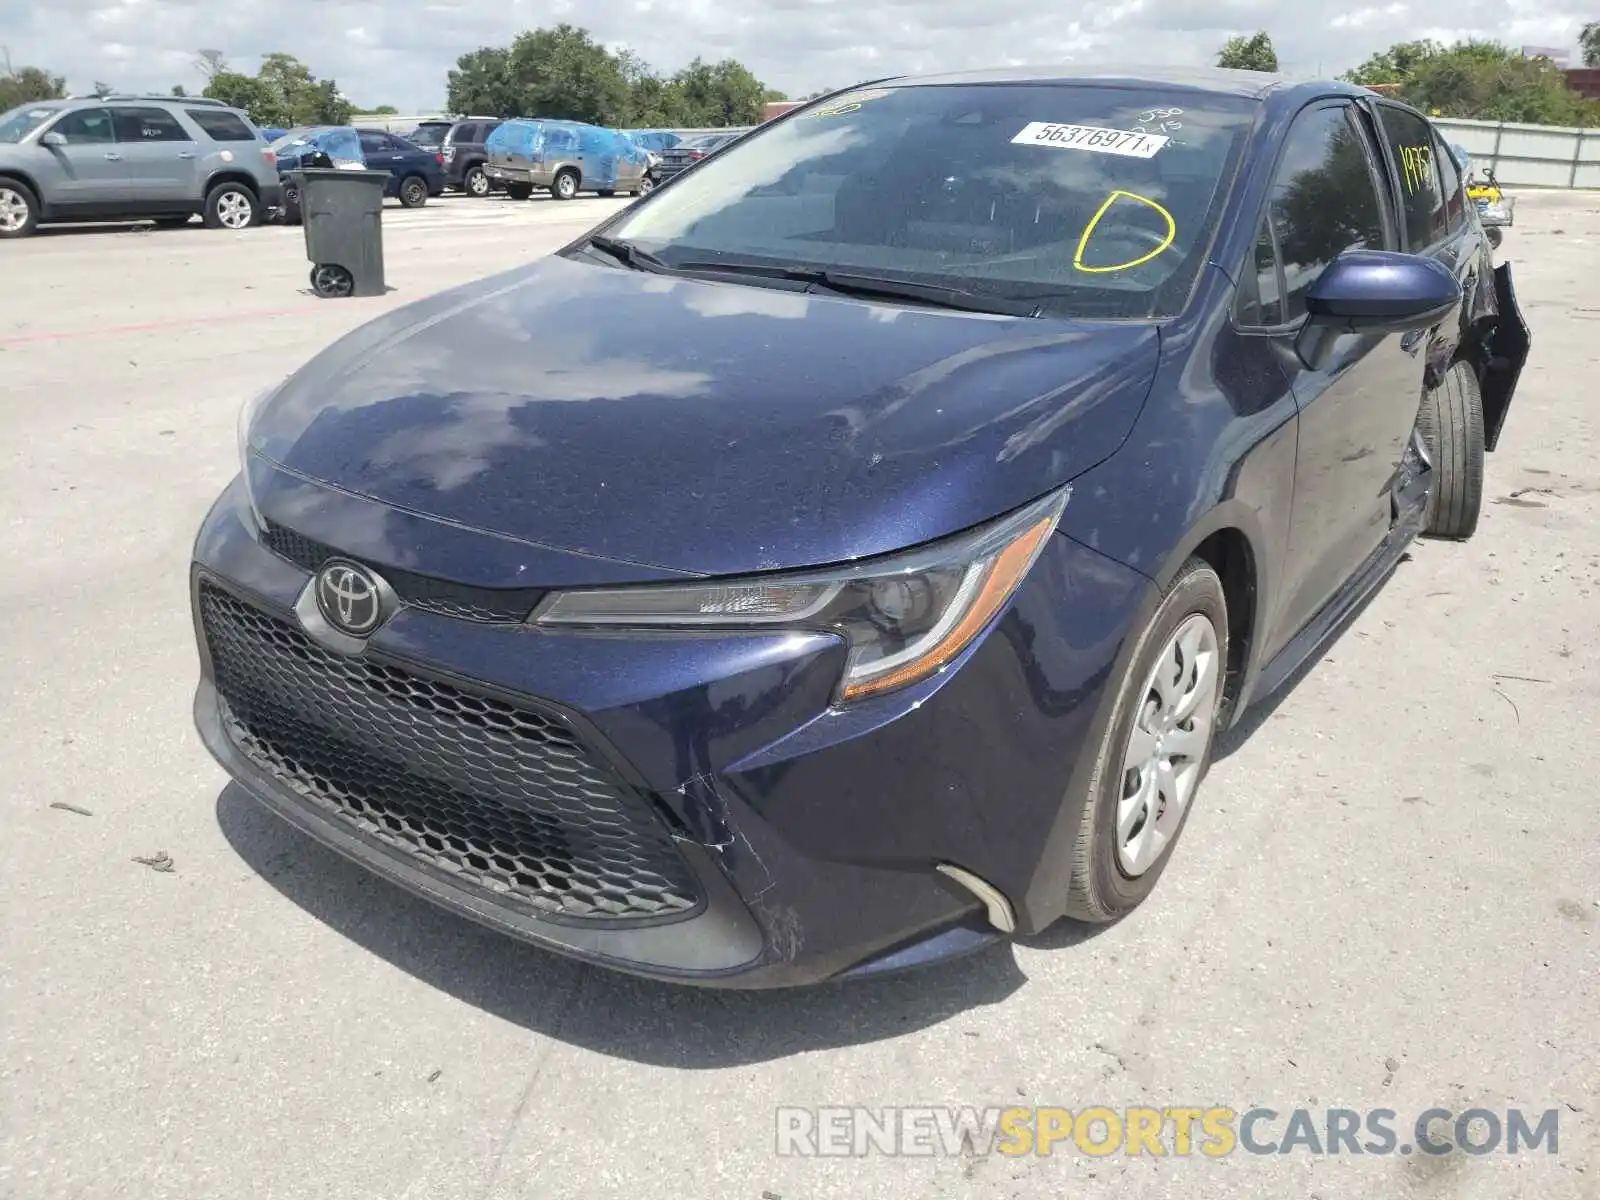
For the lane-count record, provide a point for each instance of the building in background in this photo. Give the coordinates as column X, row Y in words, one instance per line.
column 1557, row 56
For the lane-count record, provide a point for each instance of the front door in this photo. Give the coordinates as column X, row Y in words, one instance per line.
column 161, row 157
column 92, row 174
column 1358, row 410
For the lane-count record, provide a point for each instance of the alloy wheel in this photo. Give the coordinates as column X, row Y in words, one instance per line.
column 234, row 210
column 1167, row 746
column 13, row 210
column 478, row 184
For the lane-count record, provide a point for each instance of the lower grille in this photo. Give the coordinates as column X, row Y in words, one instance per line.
column 490, row 606
column 499, row 799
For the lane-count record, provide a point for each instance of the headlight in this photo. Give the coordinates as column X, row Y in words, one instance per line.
column 905, row 616
column 247, row 417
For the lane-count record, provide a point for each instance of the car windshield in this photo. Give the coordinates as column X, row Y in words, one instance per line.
column 20, row 122
column 1098, row 201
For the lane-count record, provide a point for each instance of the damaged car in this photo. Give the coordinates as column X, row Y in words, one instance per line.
column 923, row 483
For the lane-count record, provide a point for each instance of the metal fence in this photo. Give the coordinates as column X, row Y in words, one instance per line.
column 1529, row 155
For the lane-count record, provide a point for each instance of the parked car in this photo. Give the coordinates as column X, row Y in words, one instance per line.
column 271, row 135
column 565, row 157
column 415, row 173
column 686, row 153
column 465, row 154
column 654, row 140
column 847, row 555
column 429, row 134
column 120, row 158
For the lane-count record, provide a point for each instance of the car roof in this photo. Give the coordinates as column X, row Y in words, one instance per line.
column 1220, row 80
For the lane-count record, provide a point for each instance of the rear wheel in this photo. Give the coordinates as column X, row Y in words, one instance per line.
column 19, row 209
column 1156, row 750
column 231, row 206
column 413, row 191
column 519, row 191
column 475, row 182
column 565, row 185
column 1451, row 423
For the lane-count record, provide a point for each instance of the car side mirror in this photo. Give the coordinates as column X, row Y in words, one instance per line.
column 1374, row 291
column 53, row 139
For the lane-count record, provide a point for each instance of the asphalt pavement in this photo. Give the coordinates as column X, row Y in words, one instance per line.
column 1388, row 896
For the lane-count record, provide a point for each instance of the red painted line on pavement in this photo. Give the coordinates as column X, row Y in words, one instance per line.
column 156, row 326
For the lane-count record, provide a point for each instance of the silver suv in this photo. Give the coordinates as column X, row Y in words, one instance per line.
column 121, row 158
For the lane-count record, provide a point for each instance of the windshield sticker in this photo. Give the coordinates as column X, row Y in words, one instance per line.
column 1161, row 241
column 848, row 104
column 1129, row 143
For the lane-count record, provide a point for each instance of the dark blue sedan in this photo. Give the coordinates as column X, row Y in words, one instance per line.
column 415, row 174
column 848, row 555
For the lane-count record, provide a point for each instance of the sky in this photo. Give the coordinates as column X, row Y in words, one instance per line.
column 398, row 53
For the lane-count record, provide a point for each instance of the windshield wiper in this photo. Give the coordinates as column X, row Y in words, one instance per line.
column 629, row 255
column 850, row 283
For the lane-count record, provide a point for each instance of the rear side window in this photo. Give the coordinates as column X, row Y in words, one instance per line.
column 374, row 143
column 87, row 126
column 148, row 125
column 464, row 133
column 1411, row 145
column 1324, row 200
column 560, row 141
column 220, row 125
column 1455, row 202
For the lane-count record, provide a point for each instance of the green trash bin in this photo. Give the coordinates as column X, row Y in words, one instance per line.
column 342, row 213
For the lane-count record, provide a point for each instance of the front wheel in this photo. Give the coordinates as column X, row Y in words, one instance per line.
column 413, row 192
column 1156, row 749
column 565, row 186
column 1451, row 423
column 19, row 210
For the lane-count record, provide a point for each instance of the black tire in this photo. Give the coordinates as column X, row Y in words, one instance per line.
column 646, row 185
column 1451, row 423
column 605, row 193
column 19, row 209
column 413, row 191
column 330, row 281
column 1495, row 235
column 565, row 185
column 519, row 191
column 1099, row 891
column 231, row 206
column 475, row 182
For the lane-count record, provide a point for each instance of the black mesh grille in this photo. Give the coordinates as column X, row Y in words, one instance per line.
column 496, row 606
column 499, row 799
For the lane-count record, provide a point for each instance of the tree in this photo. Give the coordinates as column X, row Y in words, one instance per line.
column 1589, row 43
column 282, row 94
column 1252, row 53
column 382, row 110
column 563, row 72
column 1478, row 80
column 178, row 91
column 23, row 85
column 481, row 83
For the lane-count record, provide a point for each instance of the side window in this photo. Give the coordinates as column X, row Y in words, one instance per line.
column 1455, row 201
column 87, row 126
column 465, row 134
column 1324, row 200
column 374, row 143
column 148, row 125
column 220, row 125
column 1411, row 146
column 1260, row 294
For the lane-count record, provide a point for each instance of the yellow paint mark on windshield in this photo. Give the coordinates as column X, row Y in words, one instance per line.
column 1088, row 232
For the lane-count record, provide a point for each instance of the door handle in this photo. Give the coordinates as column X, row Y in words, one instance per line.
column 113, row 156
column 186, row 154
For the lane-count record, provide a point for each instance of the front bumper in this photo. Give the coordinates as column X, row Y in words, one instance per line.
column 808, row 838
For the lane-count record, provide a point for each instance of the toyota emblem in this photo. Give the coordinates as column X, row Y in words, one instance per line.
column 349, row 598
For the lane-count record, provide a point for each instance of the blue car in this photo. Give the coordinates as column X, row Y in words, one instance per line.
column 847, row 556
column 415, row 174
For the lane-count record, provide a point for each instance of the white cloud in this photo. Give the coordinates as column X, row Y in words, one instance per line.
column 395, row 53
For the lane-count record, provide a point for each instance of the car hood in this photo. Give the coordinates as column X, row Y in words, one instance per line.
column 704, row 427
